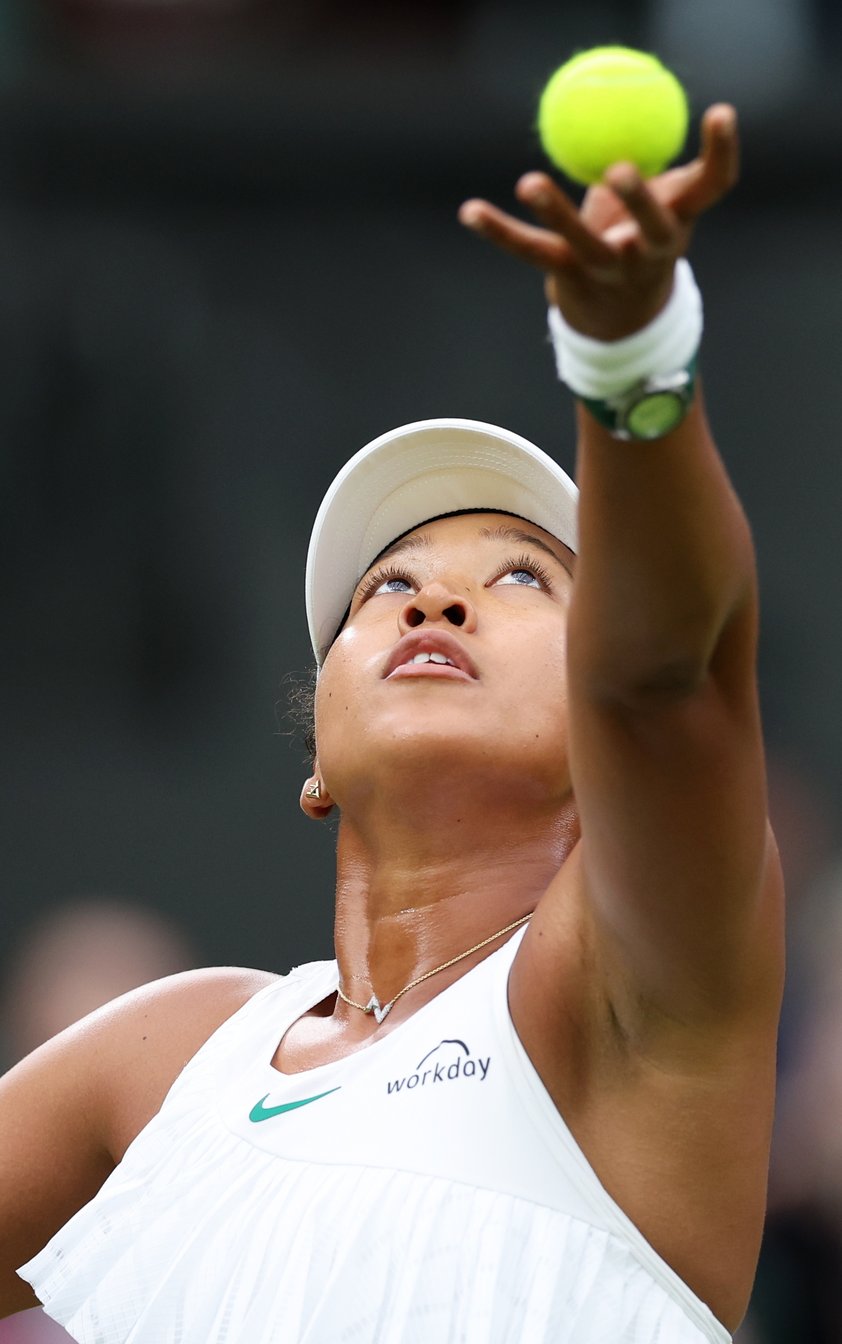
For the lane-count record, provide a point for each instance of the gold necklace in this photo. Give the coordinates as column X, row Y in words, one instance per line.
column 380, row 1010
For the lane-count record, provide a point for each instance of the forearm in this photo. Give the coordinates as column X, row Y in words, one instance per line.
column 665, row 568
column 665, row 563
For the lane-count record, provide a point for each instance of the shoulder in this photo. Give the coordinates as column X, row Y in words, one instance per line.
column 203, row 999
column 144, row 1039
column 69, row 1110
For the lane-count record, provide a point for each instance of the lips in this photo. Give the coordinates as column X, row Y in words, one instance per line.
column 460, row 667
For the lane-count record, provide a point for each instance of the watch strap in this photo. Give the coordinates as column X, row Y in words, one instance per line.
column 616, row 413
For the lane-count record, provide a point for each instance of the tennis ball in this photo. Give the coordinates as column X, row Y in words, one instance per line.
column 610, row 104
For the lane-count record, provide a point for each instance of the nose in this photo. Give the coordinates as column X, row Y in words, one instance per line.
column 437, row 602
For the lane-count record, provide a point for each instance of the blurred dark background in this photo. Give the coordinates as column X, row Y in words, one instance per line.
column 229, row 256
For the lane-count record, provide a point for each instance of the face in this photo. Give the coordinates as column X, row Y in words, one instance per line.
column 486, row 595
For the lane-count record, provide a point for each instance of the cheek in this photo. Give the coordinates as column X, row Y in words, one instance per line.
column 339, row 691
column 538, row 640
column 537, row 685
column 351, row 652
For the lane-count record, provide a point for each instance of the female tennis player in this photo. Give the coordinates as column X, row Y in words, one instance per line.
column 531, row 1099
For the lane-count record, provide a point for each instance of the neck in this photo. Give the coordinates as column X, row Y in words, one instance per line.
column 411, row 896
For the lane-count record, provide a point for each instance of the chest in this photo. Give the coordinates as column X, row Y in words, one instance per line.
column 435, row 1096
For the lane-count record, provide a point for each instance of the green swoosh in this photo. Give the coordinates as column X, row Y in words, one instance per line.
column 260, row 1112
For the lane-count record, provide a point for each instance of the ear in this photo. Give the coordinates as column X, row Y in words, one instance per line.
column 315, row 801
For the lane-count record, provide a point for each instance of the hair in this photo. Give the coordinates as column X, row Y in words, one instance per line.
column 301, row 707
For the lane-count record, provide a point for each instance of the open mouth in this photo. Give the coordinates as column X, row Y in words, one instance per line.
column 426, row 666
column 430, row 653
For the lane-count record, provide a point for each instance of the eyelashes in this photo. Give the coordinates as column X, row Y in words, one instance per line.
column 529, row 566
column 378, row 576
column 524, row 563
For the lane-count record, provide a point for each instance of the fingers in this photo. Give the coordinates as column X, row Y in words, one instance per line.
column 557, row 212
column 623, row 216
column 656, row 223
column 641, row 226
column 539, row 247
column 721, row 145
column 693, row 188
column 564, row 239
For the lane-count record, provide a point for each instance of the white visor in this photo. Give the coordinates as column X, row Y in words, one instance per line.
column 411, row 475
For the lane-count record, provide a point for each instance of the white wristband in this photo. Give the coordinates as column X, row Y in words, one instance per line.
column 601, row 369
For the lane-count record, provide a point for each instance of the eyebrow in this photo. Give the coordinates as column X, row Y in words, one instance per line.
column 505, row 533
column 413, row 541
column 423, row 541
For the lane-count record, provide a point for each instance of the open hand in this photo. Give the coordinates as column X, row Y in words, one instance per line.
column 609, row 263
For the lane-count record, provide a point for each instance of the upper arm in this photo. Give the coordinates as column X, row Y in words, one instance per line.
column 677, row 863
column 69, row 1110
column 53, row 1155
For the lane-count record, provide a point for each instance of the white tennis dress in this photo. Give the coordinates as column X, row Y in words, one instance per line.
column 424, row 1190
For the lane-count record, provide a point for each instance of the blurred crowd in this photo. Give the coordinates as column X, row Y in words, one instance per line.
column 798, row 1293
column 71, row 960
column 788, row 39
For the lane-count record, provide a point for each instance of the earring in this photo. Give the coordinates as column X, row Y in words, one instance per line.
column 315, row 791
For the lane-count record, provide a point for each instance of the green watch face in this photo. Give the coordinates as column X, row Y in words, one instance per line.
column 655, row 415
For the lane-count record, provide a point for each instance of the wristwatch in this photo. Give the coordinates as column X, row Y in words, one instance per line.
column 650, row 408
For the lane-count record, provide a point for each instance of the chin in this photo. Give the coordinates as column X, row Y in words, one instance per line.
column 454, row 740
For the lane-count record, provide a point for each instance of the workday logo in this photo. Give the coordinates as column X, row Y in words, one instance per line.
column 446, row 1063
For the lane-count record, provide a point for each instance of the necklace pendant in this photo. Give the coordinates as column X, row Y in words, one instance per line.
column 375, row 1006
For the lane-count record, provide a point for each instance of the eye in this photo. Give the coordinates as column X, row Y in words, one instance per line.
column 525, row 573
column 387, row 579
column 524, row 577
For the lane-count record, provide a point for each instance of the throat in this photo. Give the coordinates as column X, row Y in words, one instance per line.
column 318, row 1037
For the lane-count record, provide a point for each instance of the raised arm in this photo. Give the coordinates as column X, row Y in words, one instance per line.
column 676, row 862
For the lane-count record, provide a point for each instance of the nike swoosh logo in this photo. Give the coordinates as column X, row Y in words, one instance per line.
column 260, row 1112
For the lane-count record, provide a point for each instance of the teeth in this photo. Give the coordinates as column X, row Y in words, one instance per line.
column 432, row 658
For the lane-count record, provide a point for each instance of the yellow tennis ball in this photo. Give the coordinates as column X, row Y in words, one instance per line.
column 610, row 104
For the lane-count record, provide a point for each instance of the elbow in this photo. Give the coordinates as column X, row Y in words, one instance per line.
column 645, row 683
column 654, row 663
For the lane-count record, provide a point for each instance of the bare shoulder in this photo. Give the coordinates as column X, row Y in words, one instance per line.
column 145, row 1039
column 70, row 1109
column 178, row 1013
